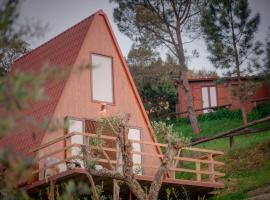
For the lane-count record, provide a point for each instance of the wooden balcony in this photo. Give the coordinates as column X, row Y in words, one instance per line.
column 194, row 169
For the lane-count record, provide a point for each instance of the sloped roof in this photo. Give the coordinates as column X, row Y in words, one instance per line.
column 61, row 51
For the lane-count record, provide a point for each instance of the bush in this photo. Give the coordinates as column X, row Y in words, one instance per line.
column 260, row 111
column 222, row 113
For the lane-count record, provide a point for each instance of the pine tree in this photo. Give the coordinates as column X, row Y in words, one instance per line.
column 229, row 34
column 11, row 44
column 161, row 23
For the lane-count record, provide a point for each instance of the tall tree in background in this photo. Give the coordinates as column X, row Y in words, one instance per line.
column 142, row 55
column 161, row 23
column 155, row 80
column 11, row 44
column 266, row 59
column 13, row 35
column 229, row 33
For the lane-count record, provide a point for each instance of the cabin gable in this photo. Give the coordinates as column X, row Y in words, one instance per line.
column 77, row 100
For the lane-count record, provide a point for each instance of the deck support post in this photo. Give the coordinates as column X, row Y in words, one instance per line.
column 52, row 183
column 211, row 168
column 129, row 195
column 198, row 168
column 231, row 141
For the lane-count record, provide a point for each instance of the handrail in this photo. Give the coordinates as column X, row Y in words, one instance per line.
column 133, row 152
column 113, row 138
column 134, row 164
column 208, row 159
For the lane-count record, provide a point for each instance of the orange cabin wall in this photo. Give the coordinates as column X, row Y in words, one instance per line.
column 224, row 95
column 76, row 97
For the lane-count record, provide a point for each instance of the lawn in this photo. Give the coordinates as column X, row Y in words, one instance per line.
column 247, row 162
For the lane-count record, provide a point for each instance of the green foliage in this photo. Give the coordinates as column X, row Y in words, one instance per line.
column 172, row 193
column 161, row 130
column 72, row 190
column 13, row 34
column 220, row 114
column 229, row 33
column 101, row 193
column 155, row 81
column 260, row 111
column 247, row 173
column 11, row 44
column 156, row 23
column 240, row 164
column 142, row 56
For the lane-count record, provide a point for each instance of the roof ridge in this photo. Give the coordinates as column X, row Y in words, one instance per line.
column 55, row 37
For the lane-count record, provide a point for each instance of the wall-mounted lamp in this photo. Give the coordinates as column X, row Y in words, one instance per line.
column 103, row 110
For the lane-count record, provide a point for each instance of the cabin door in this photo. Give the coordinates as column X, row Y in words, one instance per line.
column 135, row 134
column 209, row 97
column 75, row 125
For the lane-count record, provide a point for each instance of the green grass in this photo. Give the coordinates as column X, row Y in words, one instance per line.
column 240, row 142
column 247, row 162
column 208, row 128
column 249, row 166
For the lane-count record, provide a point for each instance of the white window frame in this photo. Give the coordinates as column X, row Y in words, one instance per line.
column 76, row 139
column 136, row 158
column 209, row 94
column 98, row 86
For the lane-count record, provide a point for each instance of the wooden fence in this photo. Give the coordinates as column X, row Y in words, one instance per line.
column 201, row 164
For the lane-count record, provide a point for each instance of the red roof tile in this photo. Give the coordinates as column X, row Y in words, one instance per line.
column 61, row 51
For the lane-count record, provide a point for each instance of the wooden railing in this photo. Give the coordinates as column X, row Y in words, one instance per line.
column 201, row 164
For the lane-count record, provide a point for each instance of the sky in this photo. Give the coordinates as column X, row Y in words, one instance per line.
column 59, row 15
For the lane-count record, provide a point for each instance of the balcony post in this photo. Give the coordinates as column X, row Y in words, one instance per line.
column 211, row 168
column 198, row 169
column 52, row 183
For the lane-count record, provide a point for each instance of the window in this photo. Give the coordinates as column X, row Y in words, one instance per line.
column 209, row 97
column 102, row 79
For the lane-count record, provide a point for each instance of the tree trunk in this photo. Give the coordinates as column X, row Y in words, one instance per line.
column 116, row 190
column 189, row 103
column 241, row 93
column 184, row 79
column 93, row 186
column 162, row 171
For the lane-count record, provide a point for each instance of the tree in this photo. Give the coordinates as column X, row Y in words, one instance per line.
column 11, row 44
column 161, row 23
column 266, row 60
column 141, row 56
column 118, row 126
column 229, row 34
column 13, row 35
column 155, row 80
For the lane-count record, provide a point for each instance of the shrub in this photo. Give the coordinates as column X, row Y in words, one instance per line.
column 222, row 113
column 260, row 111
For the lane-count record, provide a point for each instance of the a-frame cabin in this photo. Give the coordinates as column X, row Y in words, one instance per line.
column 80, row 98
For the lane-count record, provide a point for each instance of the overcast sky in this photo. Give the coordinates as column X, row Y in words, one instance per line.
column 62, row 14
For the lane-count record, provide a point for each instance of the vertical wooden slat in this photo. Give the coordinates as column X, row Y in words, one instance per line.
column 198, row 168
column 51, row 189
column 129, row 195
column 211, row 168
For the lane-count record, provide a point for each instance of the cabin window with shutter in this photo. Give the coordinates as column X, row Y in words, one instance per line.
column 102, row 78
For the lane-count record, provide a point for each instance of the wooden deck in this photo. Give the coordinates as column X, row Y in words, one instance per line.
column 196, row 170
column 192, row 187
